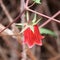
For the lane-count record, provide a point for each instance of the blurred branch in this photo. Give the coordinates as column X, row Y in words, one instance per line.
column 50, row 49
column 22, row 21
column 54, row 25
column 6, row 35
column 5, row 31
column 7, row 38
column 55, row 57
column 6, row 11
column 40, row 14
column 3, row 54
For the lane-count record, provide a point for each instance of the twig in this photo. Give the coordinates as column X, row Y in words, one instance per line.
column 14, row 28
column 13, row 21
column 6, row 11
column 50, row 19
column 27, row 1
column 32, row 4
column 42, row 15
column 22, row 21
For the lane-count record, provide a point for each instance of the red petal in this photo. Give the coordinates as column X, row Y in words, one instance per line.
column 29, row 37
column 32, row 38
column 36, row 31
column 39, row 37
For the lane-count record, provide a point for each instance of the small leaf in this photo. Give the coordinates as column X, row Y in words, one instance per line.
column 46, row 31
column 19, row 26
column 24, row 29
column 36, row 22
column 37, row 1
column 34, row 19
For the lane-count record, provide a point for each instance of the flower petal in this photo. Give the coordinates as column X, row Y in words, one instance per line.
column 32, row 38
column 39, row 37
column 29, row 37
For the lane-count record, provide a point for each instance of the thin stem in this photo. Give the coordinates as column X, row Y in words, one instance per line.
column 27, row 1
column 46, row 22
column 43, row 15
column 22, row 21
column 32, row 4
column 13, row 21
column 6, row 11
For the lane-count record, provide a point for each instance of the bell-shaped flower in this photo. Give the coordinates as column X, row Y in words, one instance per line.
column 32, row 37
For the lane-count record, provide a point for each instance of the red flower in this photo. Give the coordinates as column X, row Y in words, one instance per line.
column 32, row 38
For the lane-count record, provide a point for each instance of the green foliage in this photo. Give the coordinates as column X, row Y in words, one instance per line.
column 37, row 1
column 46, row 31
column 34, row 19
column 19, row 26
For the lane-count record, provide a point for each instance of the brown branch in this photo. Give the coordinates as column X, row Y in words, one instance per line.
column 43, row 15
column 15, row 29
column 45, row 23
column 2, row 53
column 27, row 1
column 55, row 58
column 22, row 21
column 50, row 49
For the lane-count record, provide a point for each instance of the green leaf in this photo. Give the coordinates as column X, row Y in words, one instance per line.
column 46, row 31
column 19, row 26
column 34, row 19
column 37, row 1
column 37, row 22
column 24, row 29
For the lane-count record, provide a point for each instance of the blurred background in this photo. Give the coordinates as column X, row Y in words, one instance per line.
column 11, row 46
